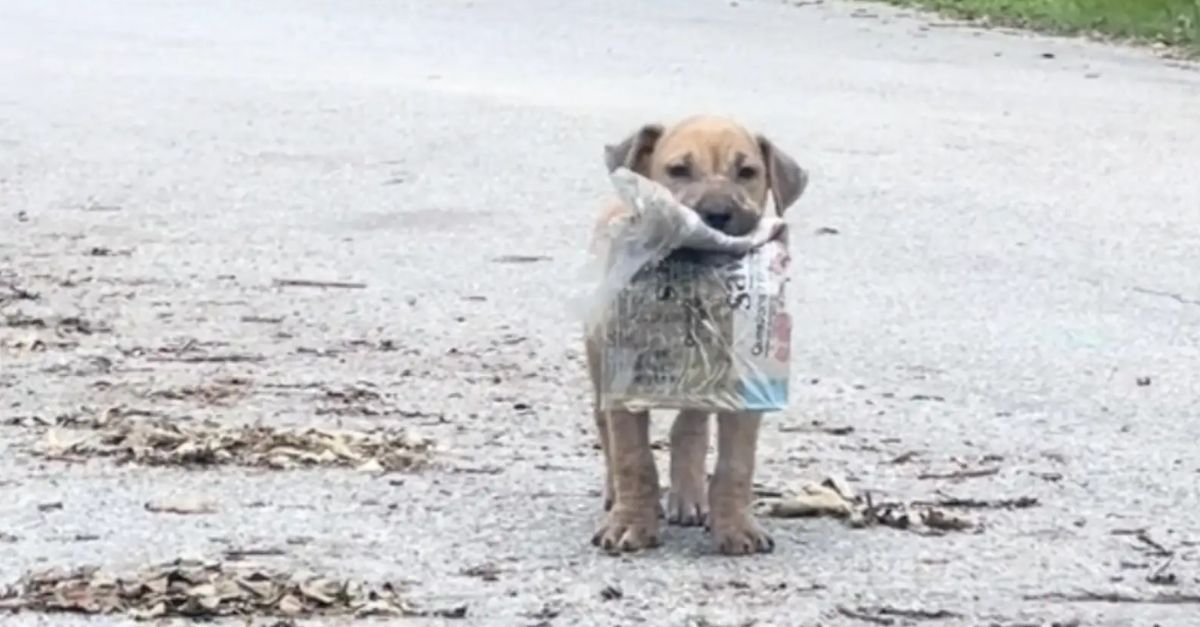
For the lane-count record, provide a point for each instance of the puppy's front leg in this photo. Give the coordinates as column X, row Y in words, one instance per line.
column 729, row 497
column 687, row 503
column 593, row 362
column 632, row 523
column 602, row 428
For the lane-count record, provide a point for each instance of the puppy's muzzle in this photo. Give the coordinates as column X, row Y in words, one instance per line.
column 716, row 211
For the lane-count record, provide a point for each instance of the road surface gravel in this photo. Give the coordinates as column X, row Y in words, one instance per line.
column 996, row 265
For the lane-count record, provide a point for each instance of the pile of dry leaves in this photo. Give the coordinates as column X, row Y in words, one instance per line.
column 201, row 589
column 832, row 497
column 158, row 441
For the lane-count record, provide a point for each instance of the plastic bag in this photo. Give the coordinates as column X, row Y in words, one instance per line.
column 656, row 226
column 688, row 317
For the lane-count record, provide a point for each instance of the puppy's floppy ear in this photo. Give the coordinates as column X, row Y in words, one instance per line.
column 786, row 179
column 634, row 152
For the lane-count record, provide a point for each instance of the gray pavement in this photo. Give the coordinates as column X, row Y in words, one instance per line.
column 1018, row 238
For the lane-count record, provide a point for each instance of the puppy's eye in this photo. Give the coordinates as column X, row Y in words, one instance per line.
column 679, row 171
column 747, row 173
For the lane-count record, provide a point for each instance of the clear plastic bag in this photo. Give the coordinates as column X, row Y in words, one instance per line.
column 688, row 317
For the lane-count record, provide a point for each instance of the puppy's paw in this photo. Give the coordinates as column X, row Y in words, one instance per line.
column 625, row 530
column 687, row 505
column 741, row 535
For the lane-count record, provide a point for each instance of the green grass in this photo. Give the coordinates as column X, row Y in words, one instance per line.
column 1172, row 22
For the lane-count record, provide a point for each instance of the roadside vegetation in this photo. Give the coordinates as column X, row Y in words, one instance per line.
column 1174, row 23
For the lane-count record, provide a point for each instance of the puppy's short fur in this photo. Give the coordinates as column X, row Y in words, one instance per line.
column 725, row 174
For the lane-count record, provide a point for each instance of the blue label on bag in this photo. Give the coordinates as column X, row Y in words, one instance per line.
column 764, row 394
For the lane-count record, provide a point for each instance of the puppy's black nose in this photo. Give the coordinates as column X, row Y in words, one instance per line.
column 716, row 210
column 717, row 221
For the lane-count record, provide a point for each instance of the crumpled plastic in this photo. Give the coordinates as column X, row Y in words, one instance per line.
column 656, row 226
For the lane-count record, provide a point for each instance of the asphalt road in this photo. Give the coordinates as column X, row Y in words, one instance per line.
column 1017, row 243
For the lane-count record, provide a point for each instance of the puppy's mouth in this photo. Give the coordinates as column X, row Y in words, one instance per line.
column 726, row 216
column 721, row 209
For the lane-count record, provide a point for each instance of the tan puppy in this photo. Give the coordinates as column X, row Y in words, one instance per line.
column 725, row 174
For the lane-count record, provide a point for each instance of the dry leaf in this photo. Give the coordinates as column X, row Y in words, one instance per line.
column 941, row 521
column 261, row 585
column 378, row 608
column 290, row 606
column 324, row 591
column 838, row 484
column 157, row 441
column 158, row 585
column 833, row 497
column 816, row 500
column 158, row 610
column 201, row 590
column 336, row 446
column 55, row 442
column 204, row 599
column 371, row 465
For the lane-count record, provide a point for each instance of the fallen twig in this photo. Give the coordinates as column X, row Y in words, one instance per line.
column 211, row 359
column 917, row 614
column 761, row 491
column 1179, row 298
column 262, row 319
column 905, row 457
column 863, row 616
column 1021, row 502
column 893, row 515
column 960, row 474
column 1157, row 549
column 314, row 283
column 1141, row 534
column 928, row 397
column 237, row 555
column 612, row 593
column 1088, row 596
column 881, row 615
column 520, row 258
column 817, row 427
column 1160, row 576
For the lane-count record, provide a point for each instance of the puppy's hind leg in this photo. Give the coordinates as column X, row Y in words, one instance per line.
column 729, row 497
column 687, row 502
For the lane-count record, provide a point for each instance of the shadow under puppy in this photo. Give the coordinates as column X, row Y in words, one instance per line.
column 725, row 174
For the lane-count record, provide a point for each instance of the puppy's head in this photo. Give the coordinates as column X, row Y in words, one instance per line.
column 715, row 167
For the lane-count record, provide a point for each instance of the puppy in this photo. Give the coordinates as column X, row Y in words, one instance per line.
column 725, row 174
